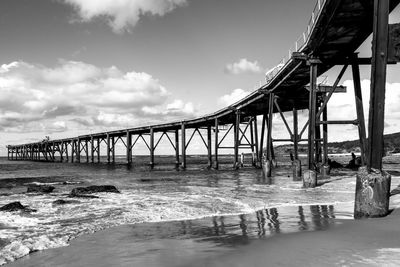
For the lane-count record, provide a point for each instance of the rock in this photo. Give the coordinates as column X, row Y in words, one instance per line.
column 83, row 191
column 64, row 202
column 14, row 206
column 34, row 188
column 82, row 196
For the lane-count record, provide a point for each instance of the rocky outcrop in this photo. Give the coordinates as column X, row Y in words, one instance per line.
column 15, row 206
column 64, row 202
column 94, row 189
column 34, row 188
column 86, row 191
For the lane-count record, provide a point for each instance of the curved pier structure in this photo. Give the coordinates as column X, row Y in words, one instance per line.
column 335, row 31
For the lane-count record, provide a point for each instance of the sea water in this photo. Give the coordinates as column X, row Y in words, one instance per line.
column 224, row 198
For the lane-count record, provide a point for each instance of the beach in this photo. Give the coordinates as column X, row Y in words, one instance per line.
column 196, row 217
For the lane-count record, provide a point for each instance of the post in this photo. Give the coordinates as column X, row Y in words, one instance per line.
column 66, row 152
column 73, row 150
column 108, row 148
column 177, row 149
column 113, row 149
column 310, row 176
column 183, row 143
column 236, row 140
column 151, row 147
column 87, row 150
column 78, row 150
column 267, row 162
column 128, row 147
column 61, row 152
column 216, row 144
column 209, row 148
column 262, row 137
column 257, row 158
column 98, row 149
column 92, row 147
column 373, row 184
column 359, row 108
column 296, row 164
column 325, row 171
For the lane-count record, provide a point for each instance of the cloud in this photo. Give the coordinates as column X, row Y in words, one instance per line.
column 233, row 97
column 243, row 66
column 122, row 15
column 80, row 94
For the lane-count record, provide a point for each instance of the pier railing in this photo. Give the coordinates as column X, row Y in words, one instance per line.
column 299, row 43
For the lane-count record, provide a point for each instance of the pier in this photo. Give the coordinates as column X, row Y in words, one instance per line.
column 335, row 30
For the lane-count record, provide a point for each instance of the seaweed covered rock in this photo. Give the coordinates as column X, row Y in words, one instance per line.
column 34, row 188
column 15, row 206
column 83, row 191
column 63, row 202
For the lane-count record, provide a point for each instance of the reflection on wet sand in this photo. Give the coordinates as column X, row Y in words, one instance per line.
column 240, row 230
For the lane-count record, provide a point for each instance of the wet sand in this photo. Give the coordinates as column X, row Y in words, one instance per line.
column 371, row 242
column 328, row 241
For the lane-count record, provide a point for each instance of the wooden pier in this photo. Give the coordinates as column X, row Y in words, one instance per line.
column 335, row 31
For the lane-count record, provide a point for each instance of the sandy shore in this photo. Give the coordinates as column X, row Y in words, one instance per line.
column 371, row 242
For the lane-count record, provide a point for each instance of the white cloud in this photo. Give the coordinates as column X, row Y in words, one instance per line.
column 233, row 97
column 243, row 66
column 122, row 15
column 81, row 94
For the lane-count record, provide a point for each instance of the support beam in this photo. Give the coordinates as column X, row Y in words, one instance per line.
column 269, row 131
column 257, row 158
column 177, row 149
column 92, row 148
column 359, row 109
column 295, row 134
column 378, row 84
column 216, row 144
column 312, row 114
column 108, row 148
column 113, row 149
column 128, row 147
column 183, row 145
column 78, row 150
column 209, row 147
column 151, row 147
column 98, row 149
column 236, row 140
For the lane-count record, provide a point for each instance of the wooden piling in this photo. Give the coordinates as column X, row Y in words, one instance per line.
column 260, row 151
column 183, row 145
column 359, row 108
column 113, row 149
column 312, row 115
column 257, row 158
column 128, row 147
column 209, row 146
column 151, row 147
column 378, row 83
column 216, row 144
column 236, row 140
column 78, row 150
column 108, row 148
column 373, row 184
column 92, row 148
column 98, row 149
column 177, row 149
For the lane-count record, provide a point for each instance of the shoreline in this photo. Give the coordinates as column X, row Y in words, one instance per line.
column 338, row 242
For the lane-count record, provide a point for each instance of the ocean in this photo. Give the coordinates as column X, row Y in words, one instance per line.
column 198, row 206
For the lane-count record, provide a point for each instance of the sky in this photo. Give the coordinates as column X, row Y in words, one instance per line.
column 72, row 67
